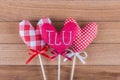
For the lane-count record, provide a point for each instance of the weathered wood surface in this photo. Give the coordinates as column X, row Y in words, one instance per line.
column 103, row 61
column 98, row 54
column 108, row 32
column 84, row 10
column 81, row 73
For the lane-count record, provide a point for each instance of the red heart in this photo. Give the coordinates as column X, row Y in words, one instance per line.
column 30, row 35
column 84, row 37
column 55, row 39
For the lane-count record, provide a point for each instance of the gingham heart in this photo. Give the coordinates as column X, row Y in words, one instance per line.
column 84, row 37
column 30, row 35
column 69, row 26
column 32, row 38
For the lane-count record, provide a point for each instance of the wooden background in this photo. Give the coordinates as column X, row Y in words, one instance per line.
column 103, row 62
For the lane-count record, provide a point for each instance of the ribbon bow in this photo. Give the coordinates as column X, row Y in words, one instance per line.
column 77, row 54
column 64, row 54
column 34, row 53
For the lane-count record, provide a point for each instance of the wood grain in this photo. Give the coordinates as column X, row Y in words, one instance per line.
column 108, row 32
column 98, row 54
column 81, row 72
column 103, row 62
column 84, row 10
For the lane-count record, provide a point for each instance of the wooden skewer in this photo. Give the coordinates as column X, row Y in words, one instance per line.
column 73, row 67
column 42, row 67
column 59, row 62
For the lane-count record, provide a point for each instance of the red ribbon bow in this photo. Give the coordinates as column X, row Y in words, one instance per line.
column 35, row 53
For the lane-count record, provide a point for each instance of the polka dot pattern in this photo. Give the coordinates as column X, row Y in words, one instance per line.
column 84, row 37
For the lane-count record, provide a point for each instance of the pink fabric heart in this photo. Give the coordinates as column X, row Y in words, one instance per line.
column 62, row 40
column 84, row 37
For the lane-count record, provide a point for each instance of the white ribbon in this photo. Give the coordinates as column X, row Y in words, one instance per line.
column 78, row 55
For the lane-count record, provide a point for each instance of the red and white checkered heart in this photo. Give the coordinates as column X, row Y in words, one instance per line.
column 30, row 35
column 84, row 37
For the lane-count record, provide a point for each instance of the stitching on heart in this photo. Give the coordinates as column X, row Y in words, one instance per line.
column 69, row 24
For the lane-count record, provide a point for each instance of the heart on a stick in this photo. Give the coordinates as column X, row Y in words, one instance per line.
column 84, row 37
column 62, row 40
column 30, row 35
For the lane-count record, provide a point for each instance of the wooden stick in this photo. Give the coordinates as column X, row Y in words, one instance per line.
column 59, row 62
column 42, row 67
column 73, row 67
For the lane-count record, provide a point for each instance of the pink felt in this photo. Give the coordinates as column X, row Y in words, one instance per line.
column 69, row 26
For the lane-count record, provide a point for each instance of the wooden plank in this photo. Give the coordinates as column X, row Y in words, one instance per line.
column 108, row 32
column 84, row 10
column 98, row 54
column 81, row 72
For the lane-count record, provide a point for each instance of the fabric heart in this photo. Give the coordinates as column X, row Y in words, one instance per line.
column 32, row 38
column 30, row 35
column 88, row 33
column 62, row 40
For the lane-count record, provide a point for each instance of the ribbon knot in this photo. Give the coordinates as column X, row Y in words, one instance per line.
column 78, row 55
column 34, row 53
column 64, row 54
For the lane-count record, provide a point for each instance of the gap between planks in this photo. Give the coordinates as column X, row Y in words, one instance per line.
column 108, row 32
column 81, row 72
column 85, row 10
column 98, row 54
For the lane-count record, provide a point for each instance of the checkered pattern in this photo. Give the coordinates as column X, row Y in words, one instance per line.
column 70, row 20
column 31, row 35
column 40, row 23
column 43, row 21
column 84, row 37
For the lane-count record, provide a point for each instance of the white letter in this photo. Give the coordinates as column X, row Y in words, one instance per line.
column 49, row 31
column 67, row 36
column 56, row 41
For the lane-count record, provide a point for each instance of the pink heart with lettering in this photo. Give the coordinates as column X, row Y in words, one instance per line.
column 88, row 33
column 62, row 40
